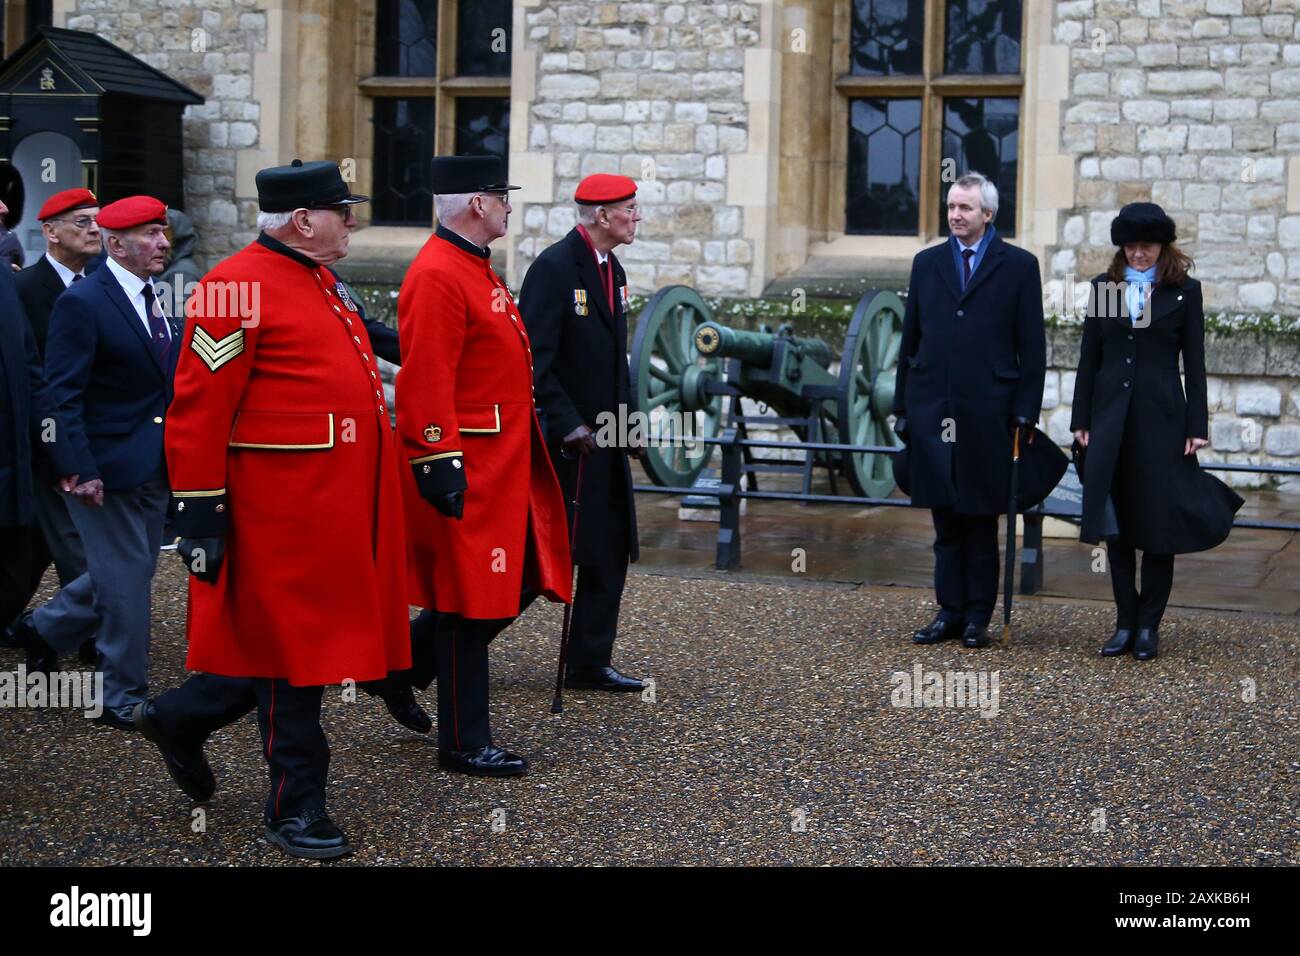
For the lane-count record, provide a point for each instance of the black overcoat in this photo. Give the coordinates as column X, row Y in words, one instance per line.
column 29, row 424
column 581, row 373
column 1128, row 395
column 971, row 363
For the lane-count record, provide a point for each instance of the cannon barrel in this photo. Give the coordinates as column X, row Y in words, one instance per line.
column 755, row 348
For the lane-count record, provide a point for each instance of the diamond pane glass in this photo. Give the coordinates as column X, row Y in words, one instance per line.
column 983, row 36
column 483, row 126
column 884, row 169
column 406, row 38
column 483, row 38
column 404, row 130
column 983, row 136
column 887, row 37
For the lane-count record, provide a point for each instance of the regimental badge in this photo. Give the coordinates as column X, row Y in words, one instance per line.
column 623, row 299
column 580, row 302
column 432, row 434
column 346, row 299
column 217, row 352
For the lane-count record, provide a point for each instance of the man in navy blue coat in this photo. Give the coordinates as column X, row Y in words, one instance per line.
column 29, row 426
column 109, row 359
column 969, row 375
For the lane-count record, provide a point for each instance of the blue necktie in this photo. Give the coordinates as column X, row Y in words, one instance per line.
column 162, row 343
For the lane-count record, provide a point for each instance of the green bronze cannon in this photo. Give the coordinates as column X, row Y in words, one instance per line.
column 684, row 365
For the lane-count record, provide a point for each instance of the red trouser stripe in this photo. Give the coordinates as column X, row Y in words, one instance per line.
column 455, row 706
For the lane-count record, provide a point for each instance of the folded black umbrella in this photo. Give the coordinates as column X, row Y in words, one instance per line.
column 1041, row 466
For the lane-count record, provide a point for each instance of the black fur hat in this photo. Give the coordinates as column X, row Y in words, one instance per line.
column 1142, row 222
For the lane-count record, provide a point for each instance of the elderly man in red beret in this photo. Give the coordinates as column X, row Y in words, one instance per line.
column 72, row 242
column 574, row 302
column 109, row 358
column 485, row 517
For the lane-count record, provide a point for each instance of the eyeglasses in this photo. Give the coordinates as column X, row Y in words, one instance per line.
column 81, row 222
column 345, row 211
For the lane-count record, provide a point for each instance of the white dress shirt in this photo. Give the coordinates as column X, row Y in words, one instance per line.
column 133, row 286
column 64, row 273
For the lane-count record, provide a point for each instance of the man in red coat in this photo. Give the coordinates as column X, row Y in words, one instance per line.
column 285, row 479
column 485, row 516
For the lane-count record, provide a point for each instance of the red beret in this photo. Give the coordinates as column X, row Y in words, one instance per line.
column 67, row 200
column 604, row 188
column 132, row 211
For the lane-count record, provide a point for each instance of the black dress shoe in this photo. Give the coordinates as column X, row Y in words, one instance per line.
column 1147, row 644
column 936, row 631
column 600, row 678
column 487, row 761
column 975, row 635
column 119, row 718
column 400, row 702
column 9, row 638
column 40, row 656
column 311, row 835
column 186, row 763
column 1119, row 643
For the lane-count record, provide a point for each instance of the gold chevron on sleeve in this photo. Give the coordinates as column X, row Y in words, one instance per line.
column 217, row 352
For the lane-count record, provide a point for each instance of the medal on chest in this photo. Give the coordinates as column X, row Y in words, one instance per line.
column 342, row 292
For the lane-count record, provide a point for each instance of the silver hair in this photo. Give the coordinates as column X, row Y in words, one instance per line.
column 270, row 221
column 107, row 234
column 988, row 192
column 588, row 214
column 450, row 206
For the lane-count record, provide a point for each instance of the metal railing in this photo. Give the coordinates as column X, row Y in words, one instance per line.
column 730, row 493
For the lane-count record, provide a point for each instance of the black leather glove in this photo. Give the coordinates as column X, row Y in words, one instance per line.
column 202, row 557
column 900, row 429
column 1025, row 427
column 450, row 505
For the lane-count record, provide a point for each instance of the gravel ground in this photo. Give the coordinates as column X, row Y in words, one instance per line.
column 771, row 740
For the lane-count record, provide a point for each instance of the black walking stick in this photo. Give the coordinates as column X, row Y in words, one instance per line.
column 557, row 705
column 1008, row 585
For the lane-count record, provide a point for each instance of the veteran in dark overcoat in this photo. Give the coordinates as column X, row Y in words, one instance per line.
column 574, row 302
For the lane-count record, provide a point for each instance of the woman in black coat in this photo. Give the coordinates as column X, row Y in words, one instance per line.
column 1140, row 431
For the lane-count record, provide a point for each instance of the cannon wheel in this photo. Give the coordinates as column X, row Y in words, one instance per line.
column 866, row 391
column 667, row 378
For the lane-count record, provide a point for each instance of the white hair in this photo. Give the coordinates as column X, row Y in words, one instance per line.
column 270, row 221
column 451, row 206
column 988, row 192
column 588, row 214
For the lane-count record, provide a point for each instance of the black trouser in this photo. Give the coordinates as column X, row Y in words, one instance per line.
column 1136, row 610
column 295, row 748
column 454, row 649
column 965, row 566
column 599, row 592
column 18, row 547
column 595, row 612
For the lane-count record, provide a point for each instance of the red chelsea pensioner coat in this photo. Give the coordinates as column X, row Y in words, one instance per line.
column 466, row 421
column 280, row 436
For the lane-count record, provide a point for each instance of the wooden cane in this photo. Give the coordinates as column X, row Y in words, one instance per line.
column 557, row 705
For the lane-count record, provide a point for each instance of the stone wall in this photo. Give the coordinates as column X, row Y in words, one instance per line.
column 1253, row 397
column 653, row 91
column 1193, row 104
column 209, row 46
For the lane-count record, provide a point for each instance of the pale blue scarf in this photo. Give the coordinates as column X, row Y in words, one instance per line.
column 1135, row 292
